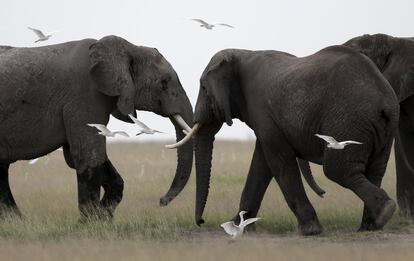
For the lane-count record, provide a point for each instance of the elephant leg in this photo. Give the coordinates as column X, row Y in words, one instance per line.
column 350, row 174
column 89, row 185
column 404, row 161
column 86, row 180
column 7, row 202
column 284, row 168
column 113, row 185
column 86, row 151
column 375, row 173
column 257, row 182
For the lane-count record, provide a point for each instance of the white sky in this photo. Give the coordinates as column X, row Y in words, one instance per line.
column 298, row 27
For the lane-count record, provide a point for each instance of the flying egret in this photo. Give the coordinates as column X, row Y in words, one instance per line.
column 104, row 131
column 333, row 144
column 41, row 36
column 144, row 128
column 208, row 25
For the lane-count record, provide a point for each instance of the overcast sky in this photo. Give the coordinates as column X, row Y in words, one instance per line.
column 297, row 27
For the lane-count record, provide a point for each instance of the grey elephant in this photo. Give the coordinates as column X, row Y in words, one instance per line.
column 394, row 57
column 287, row 100
column 51, row 93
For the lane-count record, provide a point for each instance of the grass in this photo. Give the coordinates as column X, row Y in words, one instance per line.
column 46, row 194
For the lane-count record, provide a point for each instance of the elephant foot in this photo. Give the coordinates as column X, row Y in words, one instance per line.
column 384, row 215
column 310, row 228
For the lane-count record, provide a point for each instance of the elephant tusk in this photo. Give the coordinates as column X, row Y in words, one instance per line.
column 192, row 132
column 180, row 121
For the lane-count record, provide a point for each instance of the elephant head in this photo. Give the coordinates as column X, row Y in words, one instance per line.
column 140, row 78
column 218, row 82
column 393, row 56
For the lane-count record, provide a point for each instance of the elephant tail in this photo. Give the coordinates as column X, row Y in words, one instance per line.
column 385, row 127
column 307, row 174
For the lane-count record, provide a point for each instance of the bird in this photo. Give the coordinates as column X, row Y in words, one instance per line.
column 237, row 230
column 210, row 26
column 41, row 35
column 144, row 128
column 333, row 144
column 104, row 131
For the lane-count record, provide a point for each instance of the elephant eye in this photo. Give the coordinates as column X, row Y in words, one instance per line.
column 164, row 85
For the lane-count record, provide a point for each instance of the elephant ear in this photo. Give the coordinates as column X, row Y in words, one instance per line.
column 406, row 85
column 377, row 47
column 110, row 68
column 219, row 76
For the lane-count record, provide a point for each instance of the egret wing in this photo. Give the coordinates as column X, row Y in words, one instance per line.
column 138, row 122
column 39, row 33
column 200, row 21
column 326, row 138
column 351, row 142
column 249, row 221
column 227, row 25
column 229, row 227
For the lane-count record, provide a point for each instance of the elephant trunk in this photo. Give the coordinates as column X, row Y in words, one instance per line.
column 184, row 160
column 203, row 156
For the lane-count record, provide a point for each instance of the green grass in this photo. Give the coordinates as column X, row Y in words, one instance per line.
column 46, row 194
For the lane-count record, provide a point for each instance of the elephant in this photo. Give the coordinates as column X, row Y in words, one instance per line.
column 394, row 57
column 51, row 93
column 286, row 100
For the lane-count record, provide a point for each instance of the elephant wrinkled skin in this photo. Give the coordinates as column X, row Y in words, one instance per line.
column 394, row 57
column 287, row 100
column 51, row 93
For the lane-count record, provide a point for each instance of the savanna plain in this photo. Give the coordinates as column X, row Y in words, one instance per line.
column 142, row 230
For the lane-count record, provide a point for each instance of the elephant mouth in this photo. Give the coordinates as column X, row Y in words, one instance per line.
column 189, row 134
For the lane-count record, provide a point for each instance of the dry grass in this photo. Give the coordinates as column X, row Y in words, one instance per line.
column 46, row 194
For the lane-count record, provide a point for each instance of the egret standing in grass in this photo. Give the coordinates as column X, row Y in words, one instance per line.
column 237, row 230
